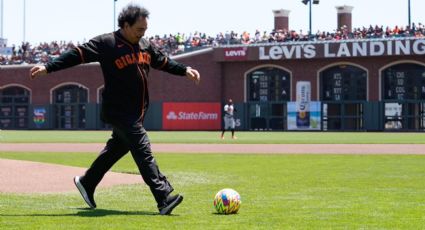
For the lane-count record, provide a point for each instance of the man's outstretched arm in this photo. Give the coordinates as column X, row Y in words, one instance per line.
column 85, row 53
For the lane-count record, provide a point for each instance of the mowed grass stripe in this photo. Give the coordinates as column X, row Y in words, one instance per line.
column 278, row 192
column 7, row 136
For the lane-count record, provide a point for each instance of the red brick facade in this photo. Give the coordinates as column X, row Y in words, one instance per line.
column 224, row 70
column 220, row 78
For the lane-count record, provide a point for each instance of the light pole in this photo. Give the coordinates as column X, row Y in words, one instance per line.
column 309, row 2
column 1, row 18
column 115, row 1
column 408, row 13
column 24, row 19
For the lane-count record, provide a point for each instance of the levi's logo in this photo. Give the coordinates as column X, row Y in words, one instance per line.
column 134, row 58
column 233, row 53
column 237, row 53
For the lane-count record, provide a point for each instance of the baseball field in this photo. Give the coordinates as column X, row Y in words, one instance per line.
column 279, row 190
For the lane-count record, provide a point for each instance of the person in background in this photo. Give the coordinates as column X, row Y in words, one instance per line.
column 229, row 119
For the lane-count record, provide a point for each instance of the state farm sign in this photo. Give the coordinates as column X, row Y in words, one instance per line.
column 236, row 53
column 191, row 116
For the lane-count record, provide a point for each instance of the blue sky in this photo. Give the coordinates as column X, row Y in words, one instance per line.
column 79, row 20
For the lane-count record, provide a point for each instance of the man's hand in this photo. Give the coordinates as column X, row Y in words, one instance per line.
column 193, row 74
column 38, row 70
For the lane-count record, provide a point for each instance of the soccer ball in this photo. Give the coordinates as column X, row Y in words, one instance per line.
column 227, row 201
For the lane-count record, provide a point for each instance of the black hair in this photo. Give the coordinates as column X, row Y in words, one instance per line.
column 130, row 14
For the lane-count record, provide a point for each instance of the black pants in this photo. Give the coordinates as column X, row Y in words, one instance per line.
column 131, row 138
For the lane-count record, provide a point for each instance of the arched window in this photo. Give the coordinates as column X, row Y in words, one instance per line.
column 343, row 92
column 403, row 94
column 268, row 84
column 343, row 83
column 268, row 90
column 403, row 82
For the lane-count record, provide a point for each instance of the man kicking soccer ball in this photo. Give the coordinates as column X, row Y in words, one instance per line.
column 125, row 58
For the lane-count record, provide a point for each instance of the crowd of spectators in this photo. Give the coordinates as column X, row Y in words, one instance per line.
column 41, row 53
column 340, row 34
column 181, row 43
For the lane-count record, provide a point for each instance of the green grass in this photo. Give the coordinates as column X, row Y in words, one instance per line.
column 278, row 192
column 7, row 136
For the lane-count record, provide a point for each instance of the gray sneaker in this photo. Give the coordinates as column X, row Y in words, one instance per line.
column 170, row 203
column 87, row 195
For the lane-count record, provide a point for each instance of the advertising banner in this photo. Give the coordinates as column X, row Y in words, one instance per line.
column 303, row 114
column 314, row 116
column 303, row 104
column 191, row 116
column 309, row 50
column 39, row 116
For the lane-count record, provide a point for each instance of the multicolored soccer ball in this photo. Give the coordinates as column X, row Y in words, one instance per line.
column 227, row 201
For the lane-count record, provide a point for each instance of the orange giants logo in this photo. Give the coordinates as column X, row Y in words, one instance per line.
column 134, row 58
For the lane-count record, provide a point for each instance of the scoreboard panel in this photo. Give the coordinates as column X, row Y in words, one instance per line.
column 404, row 82
column 343, row 83
column 269, row 85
